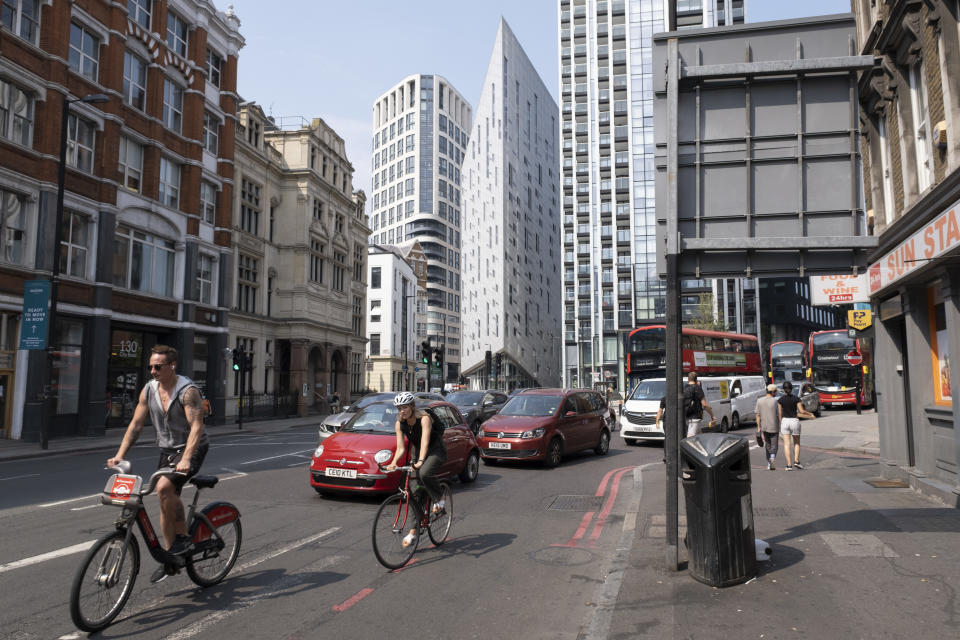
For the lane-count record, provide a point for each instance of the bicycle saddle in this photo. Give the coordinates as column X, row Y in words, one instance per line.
column 204, row 482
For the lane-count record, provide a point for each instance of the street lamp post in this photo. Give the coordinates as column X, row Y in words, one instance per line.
column 95, row 98
column 405, row 329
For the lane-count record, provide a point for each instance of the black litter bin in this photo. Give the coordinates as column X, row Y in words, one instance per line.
column 715, row 471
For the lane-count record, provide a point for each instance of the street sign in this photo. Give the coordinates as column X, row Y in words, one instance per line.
column 415, row 369
column 405, row 368
column 36, row 310
column 839, row 289
column 859, row 319
column 854, row 359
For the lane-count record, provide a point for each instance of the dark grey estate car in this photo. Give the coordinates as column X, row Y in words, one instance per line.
column 477, row 406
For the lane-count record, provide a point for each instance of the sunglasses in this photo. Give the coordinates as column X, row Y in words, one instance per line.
column 157, row 367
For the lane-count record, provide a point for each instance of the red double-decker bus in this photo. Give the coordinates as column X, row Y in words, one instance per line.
column 709, row 353
column 839, row 365
column 788, row 361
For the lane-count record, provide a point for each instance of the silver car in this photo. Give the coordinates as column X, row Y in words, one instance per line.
column 334, row 422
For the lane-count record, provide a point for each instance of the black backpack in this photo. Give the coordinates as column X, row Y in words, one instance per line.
column 691, row 402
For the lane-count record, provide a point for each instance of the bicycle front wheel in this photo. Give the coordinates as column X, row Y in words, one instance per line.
column 215, row 555
column 104, row 581
column 394, row 520
column 442, row 520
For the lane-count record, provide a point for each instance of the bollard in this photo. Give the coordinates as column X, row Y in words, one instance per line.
column 858, row 400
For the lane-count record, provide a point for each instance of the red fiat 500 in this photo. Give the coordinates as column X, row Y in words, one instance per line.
column 347, row 460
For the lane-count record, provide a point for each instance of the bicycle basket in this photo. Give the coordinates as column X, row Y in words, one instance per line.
column 122, row 490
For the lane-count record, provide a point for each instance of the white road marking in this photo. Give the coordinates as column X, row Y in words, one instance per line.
column 70, row 636
column 89, row 506
column 50, row 555
column 28, row 475
column 296, row 464
column 237, row 474
column 68, row 501
column 282, row 455
column 288, row 547
column 261, row 444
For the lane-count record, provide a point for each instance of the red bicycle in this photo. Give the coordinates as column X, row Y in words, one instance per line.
column 104, row 581
column 401, row 520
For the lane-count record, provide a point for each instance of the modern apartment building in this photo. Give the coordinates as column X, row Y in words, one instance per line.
column 393, row 352
column 511, row 226
column 610, row 282
column 146, row 253
column 299, row 287
column 420, row 128
column 910, row 113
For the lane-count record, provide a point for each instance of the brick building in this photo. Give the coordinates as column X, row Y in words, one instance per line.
column 910, row 115
column 146, row 250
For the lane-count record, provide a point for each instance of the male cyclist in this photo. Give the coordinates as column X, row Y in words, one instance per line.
column 426, row 448
column 176, row 411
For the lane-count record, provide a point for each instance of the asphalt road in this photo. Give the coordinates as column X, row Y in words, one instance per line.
column 528, row 553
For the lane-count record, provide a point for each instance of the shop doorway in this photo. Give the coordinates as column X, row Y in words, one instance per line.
column 126, row 373
column 6, row 394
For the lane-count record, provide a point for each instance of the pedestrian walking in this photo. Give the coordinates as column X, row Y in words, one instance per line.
column 694, row 404
column 789, row 410
column 768, row 424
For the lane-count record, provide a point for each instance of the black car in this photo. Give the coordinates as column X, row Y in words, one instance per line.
column 477, row 406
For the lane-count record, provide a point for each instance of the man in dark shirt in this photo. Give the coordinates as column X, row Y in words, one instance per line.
column 789, row 412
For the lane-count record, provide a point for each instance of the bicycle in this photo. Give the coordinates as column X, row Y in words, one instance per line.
column 104, row 581
column 394, row 520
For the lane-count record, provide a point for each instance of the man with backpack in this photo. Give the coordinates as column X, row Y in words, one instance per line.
column 694, row 404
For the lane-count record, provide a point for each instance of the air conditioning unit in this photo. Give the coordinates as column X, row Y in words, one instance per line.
column 940, row 135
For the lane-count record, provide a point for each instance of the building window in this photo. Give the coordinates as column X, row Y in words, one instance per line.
column 208, row 201
column 130, row 160
column 211, row 132
column 172, row 105
column 176, row 34
column 205, row 278
column 889, row 203
column 338, row 224
column 247, row 284
column 139, row 12
column 921, row 124
column 214, row 67
column 169, row 187
column 79, row 144
column 317, row 209
column 339, row 260
column 68, row 342
column 143, row 262
column 76, row 238
column 134, row 81
column 249, row 206
column 12, row 226
column 84, row 51
column 940, row 347
column 22, row 17
column 316, row 261
column 374, row 344
column 253, row 132
column 375, row 278
column 16, row 114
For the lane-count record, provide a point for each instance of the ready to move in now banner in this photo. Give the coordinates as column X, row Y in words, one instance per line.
column 936, row 238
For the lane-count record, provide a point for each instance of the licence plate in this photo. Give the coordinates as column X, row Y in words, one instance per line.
column 334, row 472
column 499, row 445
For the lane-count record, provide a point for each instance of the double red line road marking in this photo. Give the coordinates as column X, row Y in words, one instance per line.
column 604, row 513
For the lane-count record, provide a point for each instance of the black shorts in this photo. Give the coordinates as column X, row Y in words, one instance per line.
column 170, row 457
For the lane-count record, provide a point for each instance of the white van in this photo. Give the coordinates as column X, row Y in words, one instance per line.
column 638, row 420
column 744, row 393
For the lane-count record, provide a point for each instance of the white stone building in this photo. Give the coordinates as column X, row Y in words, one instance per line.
column 511, row 225
column 392, row 349
column 420, row 134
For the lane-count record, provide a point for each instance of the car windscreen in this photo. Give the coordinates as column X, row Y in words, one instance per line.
column 649, row 390
column 379, row 417
column 833, row 378
column 368, row 400
column 531, row 405
column 465, row 398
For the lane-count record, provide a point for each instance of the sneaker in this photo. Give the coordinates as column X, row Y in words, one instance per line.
column 160, row 574
column 770, row 466
column 438, row 507
column 788, row 468
column 181, row 546
column 407, row 540
column 797, row 465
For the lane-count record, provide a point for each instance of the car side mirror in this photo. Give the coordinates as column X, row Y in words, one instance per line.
column 569, row 414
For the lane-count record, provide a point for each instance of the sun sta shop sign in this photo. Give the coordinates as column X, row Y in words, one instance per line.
column 937, row 237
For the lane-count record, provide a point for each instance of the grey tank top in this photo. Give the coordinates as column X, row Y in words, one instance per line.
column 172, row 426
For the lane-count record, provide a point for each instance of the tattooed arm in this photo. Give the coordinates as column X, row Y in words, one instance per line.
column 193, row 407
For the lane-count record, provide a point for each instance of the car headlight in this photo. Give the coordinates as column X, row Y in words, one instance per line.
column 533, row 433
column 318, row 452
column 382, row 456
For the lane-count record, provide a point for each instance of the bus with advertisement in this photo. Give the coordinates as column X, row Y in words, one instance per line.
column 839, row 366
column 709, row 353
column 788, row 361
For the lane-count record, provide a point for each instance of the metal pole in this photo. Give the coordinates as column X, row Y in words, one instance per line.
column 674, row 363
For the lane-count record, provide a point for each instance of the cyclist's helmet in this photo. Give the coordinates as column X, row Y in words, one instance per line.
column 404, row 397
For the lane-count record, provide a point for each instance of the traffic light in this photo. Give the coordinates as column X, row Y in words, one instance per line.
column 425, row 352
column 237, row 359
column 488, row 362
column 438, row 356
column 499, row 365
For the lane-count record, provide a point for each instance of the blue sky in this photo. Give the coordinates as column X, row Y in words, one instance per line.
column 331, row 59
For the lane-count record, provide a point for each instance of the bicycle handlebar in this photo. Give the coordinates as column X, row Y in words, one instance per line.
column 123, row 466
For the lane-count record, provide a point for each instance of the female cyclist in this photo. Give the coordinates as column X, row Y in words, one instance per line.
column 426, row 450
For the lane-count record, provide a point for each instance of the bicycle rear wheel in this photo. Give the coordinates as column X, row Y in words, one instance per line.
column 214, row 556
column 394, row 520
column 104, row 581
column 441, row 522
